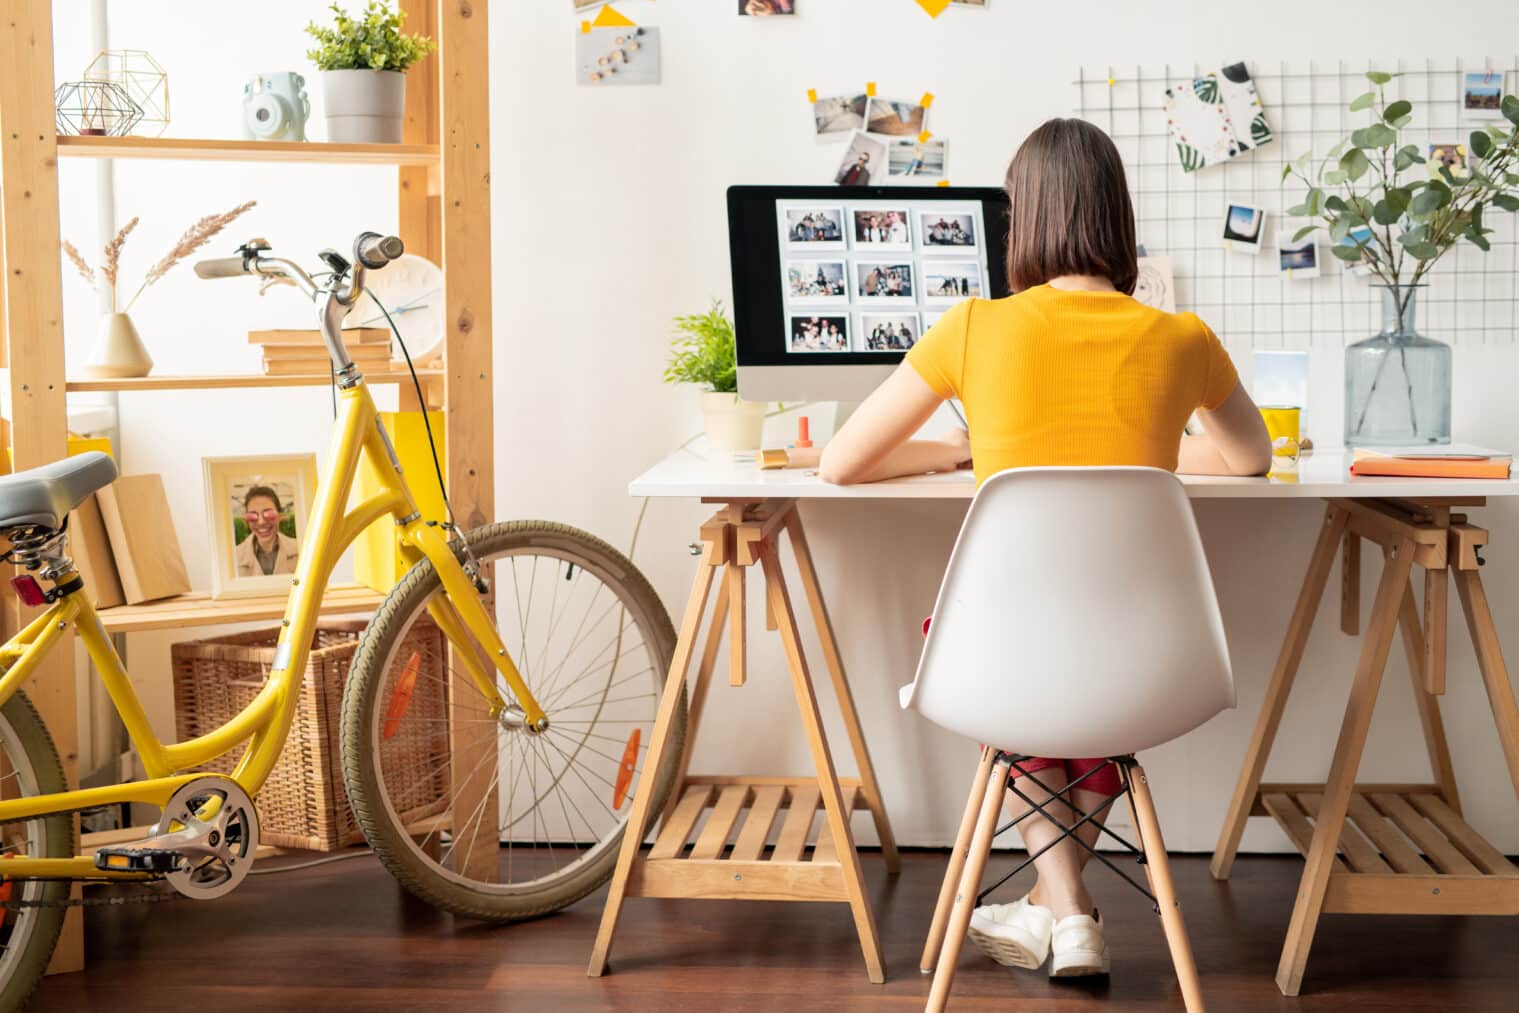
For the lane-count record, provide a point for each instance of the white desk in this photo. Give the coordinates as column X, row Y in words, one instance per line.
column 1355, row 837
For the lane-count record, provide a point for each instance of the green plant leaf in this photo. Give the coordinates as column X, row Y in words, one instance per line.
column 1506, row 201
column 372, row 41
column 1424, row 251
column 1383, row 213
column 1303, row 233
column 1398, row 197
column 1346, row 253
column 1339, row 229
column 1334, row 177
column 1378, row 135
column 1413, row 234
column 1379, row 76
column 1286, row 171
column 1510, row 109
column 1397, row 110
column 1302, row 210
column 1481, row 143
column 1335, row 203
column 1362, row 101
column 1428, row 201
column 1354, row 163
column 703, row 351
column 1478, row 240
column 1361, row 206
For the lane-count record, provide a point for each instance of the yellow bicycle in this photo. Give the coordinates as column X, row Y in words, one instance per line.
column 452, row 722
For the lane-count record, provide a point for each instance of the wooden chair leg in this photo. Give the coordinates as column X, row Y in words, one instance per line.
column 956, row 861
column 1158, row 868
column 1330, row 818
column 965, row 894
column 638, row 817
column 1276, row 694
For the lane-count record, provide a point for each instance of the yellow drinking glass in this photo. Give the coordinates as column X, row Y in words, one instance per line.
column 1282, row 424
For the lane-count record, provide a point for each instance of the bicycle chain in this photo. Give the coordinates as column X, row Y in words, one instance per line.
column 153, row 893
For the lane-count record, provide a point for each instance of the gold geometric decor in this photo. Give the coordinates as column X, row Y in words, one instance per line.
column 94, row 108
column 142, row 78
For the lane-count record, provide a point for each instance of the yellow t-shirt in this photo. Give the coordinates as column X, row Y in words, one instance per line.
column 1057, row 377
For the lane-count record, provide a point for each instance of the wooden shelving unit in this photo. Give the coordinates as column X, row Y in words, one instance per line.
column 443, row 199
column 203, row 149
column 235, row 382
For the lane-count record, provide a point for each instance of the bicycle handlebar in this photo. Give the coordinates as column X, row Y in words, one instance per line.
column 221, row 267
column 374, row 251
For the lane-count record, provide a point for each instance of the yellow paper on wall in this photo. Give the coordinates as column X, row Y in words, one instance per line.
column 934, row 7
column 377, row 561
column 77, row 445
column 610, row 17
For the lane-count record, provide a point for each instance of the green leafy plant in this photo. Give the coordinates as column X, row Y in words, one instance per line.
column 371, row 42
column 1396, row 226
column 702, row 351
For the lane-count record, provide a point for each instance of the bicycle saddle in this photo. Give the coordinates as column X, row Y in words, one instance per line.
column 45, row 495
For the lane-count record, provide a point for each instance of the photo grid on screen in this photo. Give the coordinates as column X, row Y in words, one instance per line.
column 871, row 276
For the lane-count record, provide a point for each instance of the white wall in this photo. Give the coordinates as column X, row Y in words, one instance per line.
column 609, row 219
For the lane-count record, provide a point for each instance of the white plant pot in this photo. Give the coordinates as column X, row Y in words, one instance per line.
column 118, row 350
column 364, row 106
column 732, row 424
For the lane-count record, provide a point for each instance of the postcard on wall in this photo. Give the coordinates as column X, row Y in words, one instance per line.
column 1215, row 117
column 1482, row 95
column 894, row 118
column 617, row 55
column 835, row 117
column 1156, row 286
column 914, row 159
column 864, row 161
column 766, row 8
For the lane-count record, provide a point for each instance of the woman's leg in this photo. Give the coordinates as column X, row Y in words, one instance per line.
column 1091, row 794
column 1059, row 886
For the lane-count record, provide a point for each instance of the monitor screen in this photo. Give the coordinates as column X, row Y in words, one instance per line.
column 854, row 275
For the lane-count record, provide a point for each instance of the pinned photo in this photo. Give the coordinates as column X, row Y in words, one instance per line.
column 820, row 333
column 1359, row 237
column 1156, row 286
column 835, row 117
column 864, row 160
column 1298, row 259
column 881, row 228
column 1244, row 227
column 895, row 119
column 883, row 281
column 766, row 8
column 889, row 332
column 950, row 281
column 915, row 159
column 819, row 281
column 621, row 55
column 1447, row 156
column 815, row 228
column 1482, row 95
column 942, row 231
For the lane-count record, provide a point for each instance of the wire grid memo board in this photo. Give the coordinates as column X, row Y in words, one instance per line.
column 1469, row 297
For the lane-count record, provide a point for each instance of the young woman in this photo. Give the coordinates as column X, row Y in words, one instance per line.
column 1069, row 370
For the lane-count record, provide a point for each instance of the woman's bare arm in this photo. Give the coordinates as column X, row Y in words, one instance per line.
column 1234, row 440
column 874, row 443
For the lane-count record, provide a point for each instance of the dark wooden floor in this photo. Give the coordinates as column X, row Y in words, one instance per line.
column 344, row 936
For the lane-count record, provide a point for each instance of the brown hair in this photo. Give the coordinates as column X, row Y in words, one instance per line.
column 1070, row 210
column 265, row 491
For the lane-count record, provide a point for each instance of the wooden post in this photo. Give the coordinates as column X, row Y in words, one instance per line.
column 464, row 114
column 33, row 325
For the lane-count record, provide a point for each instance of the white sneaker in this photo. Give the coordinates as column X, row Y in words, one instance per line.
column 1014, row 935
column 1077, row 947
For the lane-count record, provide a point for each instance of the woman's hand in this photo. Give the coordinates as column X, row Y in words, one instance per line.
column 958, row 442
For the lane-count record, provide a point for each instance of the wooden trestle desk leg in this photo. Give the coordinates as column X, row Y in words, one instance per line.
column 698, row 701
column 1342, row 770
column 1414, row 647
column 638, row 817
column 828, row 782
column 1500, row 692
column 1282, row 677
column 824, row 625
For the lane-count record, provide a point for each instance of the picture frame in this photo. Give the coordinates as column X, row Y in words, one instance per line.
column 1482, row 94
column 1297, row 259
column 236, row 487
column 1244, row 227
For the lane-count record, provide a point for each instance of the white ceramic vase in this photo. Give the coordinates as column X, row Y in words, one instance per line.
column 364, row 106
column 118, row 350
column 732, row 423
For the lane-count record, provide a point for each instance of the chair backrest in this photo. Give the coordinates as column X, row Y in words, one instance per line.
column 1077, row 617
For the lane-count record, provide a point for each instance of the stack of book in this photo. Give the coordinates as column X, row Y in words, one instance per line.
column 1454, row 460
column 299, row 353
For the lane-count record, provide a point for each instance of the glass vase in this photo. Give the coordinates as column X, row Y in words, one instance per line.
column 1397, row 382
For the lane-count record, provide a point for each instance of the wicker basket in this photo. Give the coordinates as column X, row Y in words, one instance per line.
column 303, row 804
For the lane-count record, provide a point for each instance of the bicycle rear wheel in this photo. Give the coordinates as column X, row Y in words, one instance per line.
column 593, row 643
column 29, row 767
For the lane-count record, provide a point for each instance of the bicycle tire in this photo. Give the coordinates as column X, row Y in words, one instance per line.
column 22, row 970
column 362, row 700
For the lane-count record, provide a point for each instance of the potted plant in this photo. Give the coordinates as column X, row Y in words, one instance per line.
column 702, row 352
column 363, row 65
column 1392, row 212
column 118, row 349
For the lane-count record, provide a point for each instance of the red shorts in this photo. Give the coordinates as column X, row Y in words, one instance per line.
column 1105, row 780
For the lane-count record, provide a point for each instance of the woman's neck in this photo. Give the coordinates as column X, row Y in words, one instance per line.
column 1081, row 283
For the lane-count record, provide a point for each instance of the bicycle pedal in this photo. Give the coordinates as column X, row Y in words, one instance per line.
column 158, row 861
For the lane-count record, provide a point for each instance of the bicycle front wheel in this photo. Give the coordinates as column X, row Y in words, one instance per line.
column 593, row 642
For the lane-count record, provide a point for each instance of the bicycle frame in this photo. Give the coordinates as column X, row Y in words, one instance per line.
column 265, row 722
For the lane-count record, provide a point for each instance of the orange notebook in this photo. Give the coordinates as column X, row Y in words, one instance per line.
column 1454, row 461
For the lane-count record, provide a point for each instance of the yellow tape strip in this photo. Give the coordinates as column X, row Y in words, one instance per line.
column 812, row 95
column 924, row 136
column 870, row 88
column 944, row 182
column 610, row 17
column 934, row 7
column 585, row 28
column 927, row 99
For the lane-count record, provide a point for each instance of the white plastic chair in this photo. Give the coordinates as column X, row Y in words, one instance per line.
column 1077, row 618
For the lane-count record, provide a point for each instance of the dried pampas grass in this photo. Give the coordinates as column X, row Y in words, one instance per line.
column 85, row 270
column 194, row 238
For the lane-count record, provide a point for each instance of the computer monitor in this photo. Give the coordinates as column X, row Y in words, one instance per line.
column 832, row 285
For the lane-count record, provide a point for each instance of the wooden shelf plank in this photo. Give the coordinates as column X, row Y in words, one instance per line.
column 203, row 610
column 213, row 382
column 200, row 149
